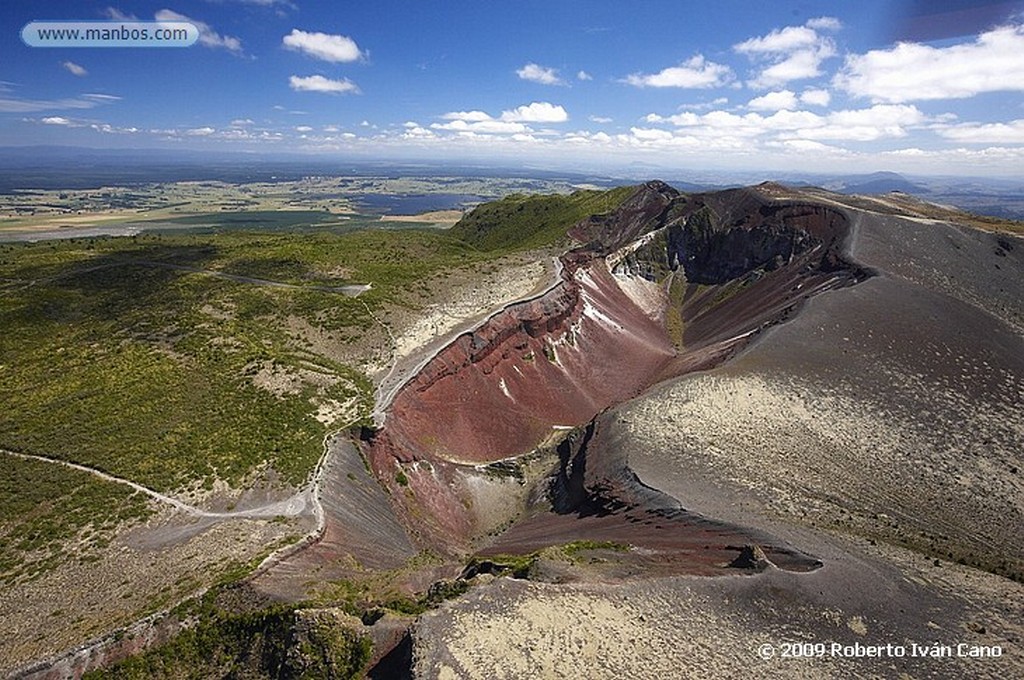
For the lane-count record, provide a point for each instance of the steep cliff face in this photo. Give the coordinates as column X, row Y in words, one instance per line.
column 550, row 362
column 715, row 246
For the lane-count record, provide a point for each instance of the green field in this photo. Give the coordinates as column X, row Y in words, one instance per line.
column 146, row 371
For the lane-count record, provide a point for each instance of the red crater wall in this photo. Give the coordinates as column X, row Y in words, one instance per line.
column 554, row 361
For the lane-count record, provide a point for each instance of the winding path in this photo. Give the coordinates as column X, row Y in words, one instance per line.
column 289, row 507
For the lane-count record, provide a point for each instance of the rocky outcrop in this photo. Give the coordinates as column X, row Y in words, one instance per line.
column 711, row 250
column 646, row 210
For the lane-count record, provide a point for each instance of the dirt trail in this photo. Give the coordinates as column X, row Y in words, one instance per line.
column 289, row 507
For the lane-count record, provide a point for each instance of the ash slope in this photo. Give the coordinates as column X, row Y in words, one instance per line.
column 879, row 429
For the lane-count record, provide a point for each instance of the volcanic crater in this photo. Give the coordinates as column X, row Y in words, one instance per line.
column 581, row 419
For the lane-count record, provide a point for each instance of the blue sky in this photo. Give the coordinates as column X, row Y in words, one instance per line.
column 922, row 87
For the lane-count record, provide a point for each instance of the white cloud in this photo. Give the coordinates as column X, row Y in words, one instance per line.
column 790, row 53
column 912, row 71
column 986, row 133
column 319, row 83
column 825, row 24
column 97, row 97
column 786, row 39
column 466, row 115
column 75, row 69
column 861, row 125
column 536, row 112
column 482, row 126
column 207, row 36
column 200, row 132
column 816, row 97
column 540, row 74
column 84, row 101
column 118, row 15
column 241, row 122
column 510, row 122
column 797, row 66
column 106, row 128
column 600, row 119
column 56, row 120
column 324, row 46
column 303, row 128
column 583, row 75
column 695, row 73
column 774, row 101
column 415, row 131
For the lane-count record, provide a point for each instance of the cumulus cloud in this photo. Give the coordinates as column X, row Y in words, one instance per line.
column 540, row 74
column 467, row 115
column 536, row 112
column 786, row 39
column 489, row 126
column 319, row 83
column 600, row 119
column 695, row 73
column 774, row 101
column 861, row 125
column 914, row 72
column 74, row 68
column 790, row 53
column 415, row 131
column 324, row 46
column 816, row 97
column 987, row 133
column 583, row 75
column 207, row 36
column 866, row 125
column 510, row 122
column 56, row 120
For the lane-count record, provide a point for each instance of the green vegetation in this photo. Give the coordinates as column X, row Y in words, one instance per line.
column 574, row 549
column 117, row 355
column 523, row 222
column 522, row 566
column 277, row 642
column 51, row 513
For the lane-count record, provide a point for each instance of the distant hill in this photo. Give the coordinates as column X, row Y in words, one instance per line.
column 876, row 182
column 880, row 183
column 519, row 221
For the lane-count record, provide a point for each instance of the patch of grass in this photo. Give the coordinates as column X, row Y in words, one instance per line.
column 572, row 550
column 50, row 514
column 520, row 222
